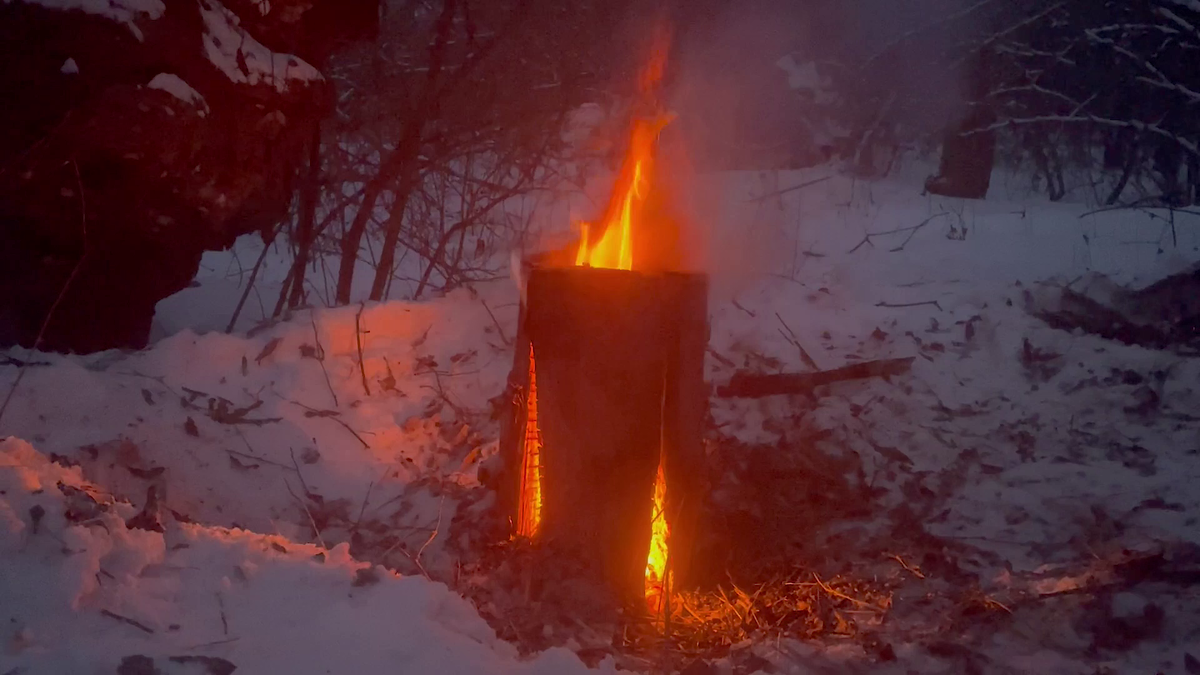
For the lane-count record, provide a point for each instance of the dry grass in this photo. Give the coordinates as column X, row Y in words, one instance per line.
column 798, row 605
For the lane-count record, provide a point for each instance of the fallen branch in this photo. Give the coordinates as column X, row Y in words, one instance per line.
column 755, row 385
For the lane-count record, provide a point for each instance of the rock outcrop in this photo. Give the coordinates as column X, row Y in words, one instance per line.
column 138, row 134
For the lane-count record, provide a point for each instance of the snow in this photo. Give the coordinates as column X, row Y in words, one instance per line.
column 175, row 86
column 69, row 67
column 245, row 60
column 1025, row 469
column 121, row 11
column 211, row 591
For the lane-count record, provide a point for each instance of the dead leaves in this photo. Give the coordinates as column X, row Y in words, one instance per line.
column 221, row 411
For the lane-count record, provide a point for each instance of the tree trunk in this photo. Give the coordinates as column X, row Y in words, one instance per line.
column 391, row 239
column 310, row 191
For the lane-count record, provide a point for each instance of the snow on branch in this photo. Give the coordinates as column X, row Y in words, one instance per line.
column 1160, row 80
column 1092, row 119
column 245, row 60
column 121, row 11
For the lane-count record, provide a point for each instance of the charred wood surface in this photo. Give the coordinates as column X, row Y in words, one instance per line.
column 619, row 365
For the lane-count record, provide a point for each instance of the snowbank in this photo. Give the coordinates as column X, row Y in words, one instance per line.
column 82, row 591
column 121, row 11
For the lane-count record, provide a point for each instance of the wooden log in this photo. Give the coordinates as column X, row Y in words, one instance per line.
column 618, row 362
column 755, row 385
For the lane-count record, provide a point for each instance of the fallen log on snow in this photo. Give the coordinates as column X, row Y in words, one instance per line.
column 756, row 385
column 1164, row 315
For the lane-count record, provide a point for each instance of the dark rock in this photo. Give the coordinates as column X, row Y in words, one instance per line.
column 139, row 141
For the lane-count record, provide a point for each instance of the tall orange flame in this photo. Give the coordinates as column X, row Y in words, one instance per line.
column 614, row 249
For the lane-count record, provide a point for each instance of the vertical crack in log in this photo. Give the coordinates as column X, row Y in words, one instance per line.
column 529, row 515
column 656, row 562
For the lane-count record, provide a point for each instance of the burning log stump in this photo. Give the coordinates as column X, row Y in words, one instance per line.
column 608, row 406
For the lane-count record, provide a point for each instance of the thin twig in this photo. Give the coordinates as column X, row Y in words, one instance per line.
column 296, row 466
column 124, row 619
column 329, row 415
column 737, row 304
column 499, row 328
column 62, row 293
column 436, row 528
column 777, row 193
column 897, row 305
column 224, row 619
column 311, row 521
column 366, row 498
column 912, row 229
column 911, row 570
column 252, row 455
column 790, row 336
column 321, row 357
column 913, row 232
column 843, row 596
column 362, row 368
column 237, row 311
column 214, row 643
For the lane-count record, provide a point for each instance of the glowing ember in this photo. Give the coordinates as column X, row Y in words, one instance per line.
column 656, row 563
column 529, row 515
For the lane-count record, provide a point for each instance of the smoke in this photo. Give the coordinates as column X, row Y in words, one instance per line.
column 739, row 112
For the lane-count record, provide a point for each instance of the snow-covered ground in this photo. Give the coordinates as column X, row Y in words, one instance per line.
column 270, row 460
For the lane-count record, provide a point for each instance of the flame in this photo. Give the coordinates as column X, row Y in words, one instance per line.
column 614, row 249
column 529, row 513
column 656, row 562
